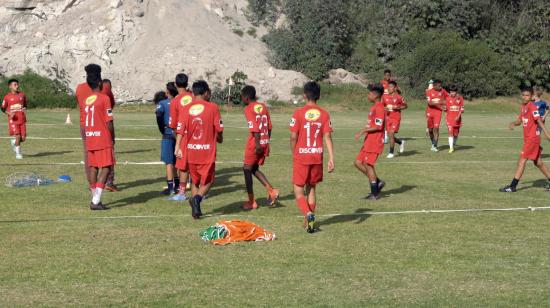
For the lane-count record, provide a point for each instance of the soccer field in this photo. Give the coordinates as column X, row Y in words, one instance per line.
column 146, row 250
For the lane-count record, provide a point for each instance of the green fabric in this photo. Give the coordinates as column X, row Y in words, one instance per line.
column 213, row 233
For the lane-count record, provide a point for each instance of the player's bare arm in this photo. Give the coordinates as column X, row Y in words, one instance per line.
column 544, row 129
column 517, row 122
column 293, row 140
column 178, row 151
column 258, row 146
column 219, row 137
column 111, row 128
column 330, row 149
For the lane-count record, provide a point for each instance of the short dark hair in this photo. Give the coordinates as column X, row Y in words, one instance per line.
column 453, row 88
column 93, row 69
column 106, row 81
column 200, row 87
column 437, row 81
column 393, row 83
column 526, row 88
column 182, row 80
column 12, row 80
column 376, row 87
column 249, row 92
column 159, row 96
column 93, row 81
column 172, row 89
column 312, row 91
column 387, row 71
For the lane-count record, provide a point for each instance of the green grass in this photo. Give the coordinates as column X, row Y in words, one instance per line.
column 55, row 252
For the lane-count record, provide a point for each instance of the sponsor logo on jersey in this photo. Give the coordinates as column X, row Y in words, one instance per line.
column 110, row 112
column 258, row 108
column 191, row 146
column 536, row 113
column 313, row 115
column 186, row 100
column 292, row 122
column 196, row 109
column 310, row 150
column 378, row 122
column 250, row 125
column 93, row 134
column 90, row 100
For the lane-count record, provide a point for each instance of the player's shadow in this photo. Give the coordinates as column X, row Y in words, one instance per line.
column 459, row 148
column 545, row 155
column 45, row 154
column 134, row 151
column 140, row 198
column 357, row 217
column 535, row 184
column 227, row 180
column 142, row 182
column 408, row 153
column 396, row 191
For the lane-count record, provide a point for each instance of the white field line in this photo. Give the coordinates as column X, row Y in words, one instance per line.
column 371, row 213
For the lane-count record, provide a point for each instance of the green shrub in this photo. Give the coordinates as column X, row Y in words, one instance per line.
column 252, row 32
column 220, row 95
column 239, row 32
column 531, row 66
column 41, row 92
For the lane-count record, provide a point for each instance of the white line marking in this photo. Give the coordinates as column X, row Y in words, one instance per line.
column 373, row 213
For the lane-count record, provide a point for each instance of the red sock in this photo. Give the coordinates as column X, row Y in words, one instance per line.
column 100, row 185
column 302, row 205
column 251, row 198
column 92, row 186
column 312, row 207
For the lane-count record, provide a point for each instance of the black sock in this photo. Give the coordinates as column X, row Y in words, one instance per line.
column 514, row 182
column 170, row 185
column 391, row 149
column 374, row 188
column 177, row 182
column 398, row 141
column 198, row 199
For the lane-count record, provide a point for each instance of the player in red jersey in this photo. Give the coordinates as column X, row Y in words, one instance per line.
column 532, row 124
column 436, row 101
column 106, row 88
column 386, row 82
column 373, row 144
column 202, row 127
column 308, row 127
column 15, row 106
column 177, row 105
column 100, row 138
column 394, row 104
column 257, row 146
column 455, row 108
column 82, row 92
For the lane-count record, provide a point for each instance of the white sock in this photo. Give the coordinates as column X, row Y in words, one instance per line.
column 96, row 199
column 17, row 150
column 451, row 142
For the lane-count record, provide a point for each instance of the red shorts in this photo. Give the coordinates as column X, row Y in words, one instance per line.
column 18, row 129
column 181, row 164
column 393, row 122
column 252, row 159
column 453, row 130
column 202, row 174
column 307, row 174
column 531, row 151
column 433, row 119
column 368, row 158
column 101, row 158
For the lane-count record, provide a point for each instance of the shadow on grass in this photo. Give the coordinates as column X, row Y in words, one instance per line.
column 542, row 183
column 45, row 154
column 140, row 198
column 142, row 182
column 396, row 191
column 357, row 217
column 408, row 153
column 134, row 151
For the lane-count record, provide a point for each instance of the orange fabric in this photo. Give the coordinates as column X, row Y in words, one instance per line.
column 241, row 231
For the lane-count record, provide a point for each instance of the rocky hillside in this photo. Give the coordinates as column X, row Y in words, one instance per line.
column 141, row 44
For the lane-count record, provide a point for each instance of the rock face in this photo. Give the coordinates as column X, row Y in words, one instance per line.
column 141, row 44
column 341, row 76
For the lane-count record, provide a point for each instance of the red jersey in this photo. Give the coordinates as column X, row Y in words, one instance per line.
column 434, row 97
column 83, row 91
column 454, row 107
column 310, row 122
column 386, row 85
column 374, row 142
column 176, row 106
column 392, row 101
column 106, row 89
column 258, row 121
column 16, row 104
column 201, row 122
column 97, row 114
column 529, row 117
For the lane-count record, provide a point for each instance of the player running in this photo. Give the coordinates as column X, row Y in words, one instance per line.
column 532, row 124
column 83, row 91
column 183, row 99
column 308, row 127
column 14, row 106
column 436, row 100
column 257, row 146
column 373, row 145
column 100, row 138
column 394, row 104
column 168, row 143
column 201, row 124
column 455, row 109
